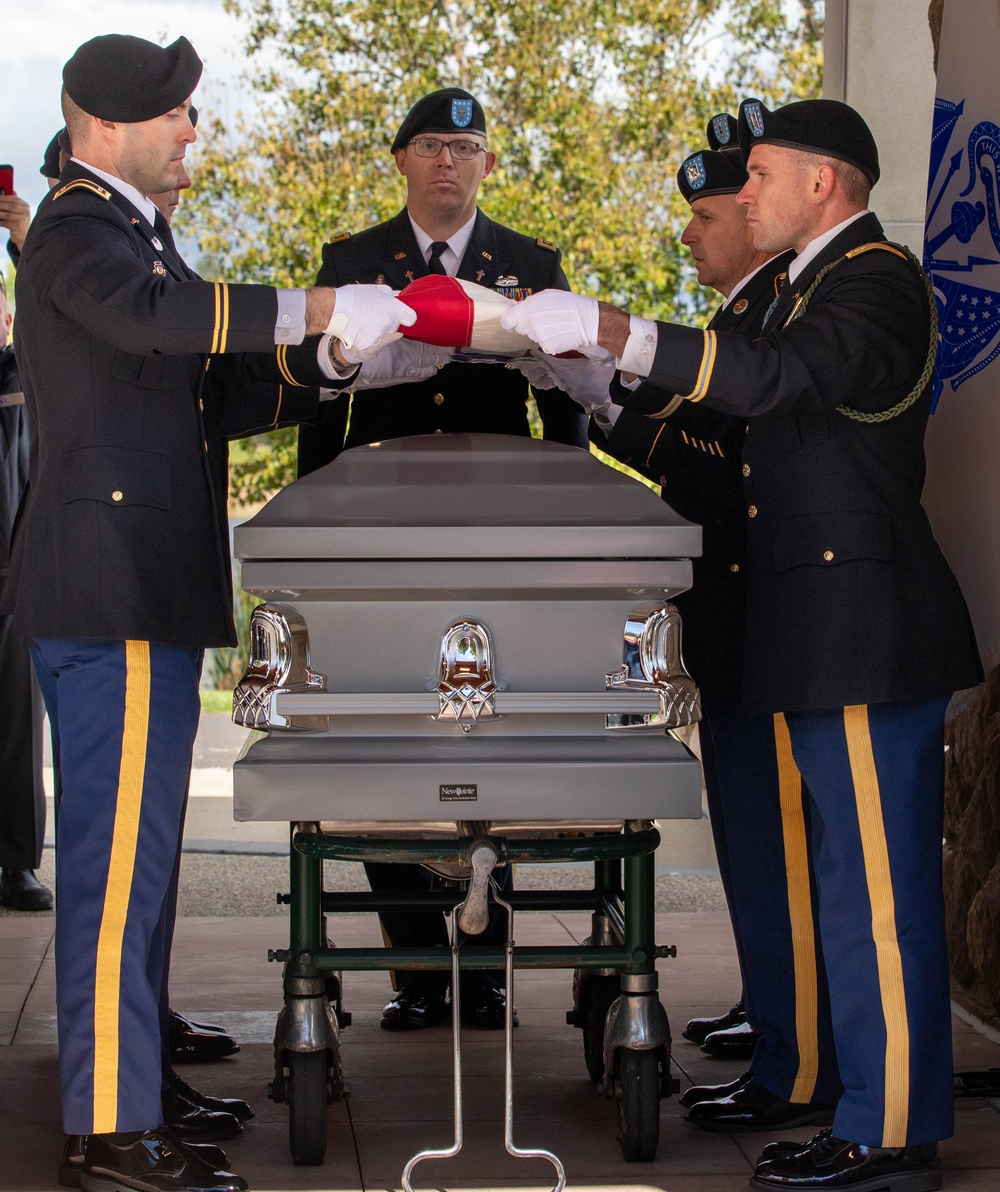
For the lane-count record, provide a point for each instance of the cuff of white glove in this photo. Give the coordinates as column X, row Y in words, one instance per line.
column 328, row 365
column 640, row 348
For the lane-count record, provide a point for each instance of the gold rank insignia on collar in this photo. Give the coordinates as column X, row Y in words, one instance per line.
column 158, row 269
column 82, row 184
column 740, row 306
column 135, row 222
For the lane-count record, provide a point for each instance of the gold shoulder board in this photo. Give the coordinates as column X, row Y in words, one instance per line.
column 340, row 236
column 82, row 184
column 546, row 244
column 880, row 245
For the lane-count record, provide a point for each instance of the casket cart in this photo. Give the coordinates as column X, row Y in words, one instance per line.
column 467, row 657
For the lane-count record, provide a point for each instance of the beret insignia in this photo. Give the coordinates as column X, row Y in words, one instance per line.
column 461, row 112
column 694, row 171
column 755, row 117
column 720, row 126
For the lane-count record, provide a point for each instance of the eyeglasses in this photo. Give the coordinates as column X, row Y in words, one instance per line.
column 459, row 150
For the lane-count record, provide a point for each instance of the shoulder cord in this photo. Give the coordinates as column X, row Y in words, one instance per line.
column 900, row 250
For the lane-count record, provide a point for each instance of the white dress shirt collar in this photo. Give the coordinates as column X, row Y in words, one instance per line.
column 135, row 197
column 458, row 242
column 815, row 247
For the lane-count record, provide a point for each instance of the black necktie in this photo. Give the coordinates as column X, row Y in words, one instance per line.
column 434, row 264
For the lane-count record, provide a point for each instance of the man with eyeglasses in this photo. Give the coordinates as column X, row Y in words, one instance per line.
column 441, row 150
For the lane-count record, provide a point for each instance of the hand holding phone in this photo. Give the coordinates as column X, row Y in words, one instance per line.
column 6, row 180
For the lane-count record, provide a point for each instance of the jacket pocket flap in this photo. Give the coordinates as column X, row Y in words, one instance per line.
column 826, row 539
column 116, row 476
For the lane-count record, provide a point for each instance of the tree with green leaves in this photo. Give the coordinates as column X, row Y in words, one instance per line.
column 591, row 106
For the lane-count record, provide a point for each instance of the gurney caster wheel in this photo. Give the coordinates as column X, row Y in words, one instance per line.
column 639, row 1081
column 307, row 1091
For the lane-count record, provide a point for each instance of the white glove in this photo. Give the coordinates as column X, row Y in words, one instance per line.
column 556, row 320
column 586, row 379
column 402, row 361
column 535, row 370
column 366, row 318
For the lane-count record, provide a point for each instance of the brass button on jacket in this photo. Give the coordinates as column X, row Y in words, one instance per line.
column 746, row 469
column 752, row 511
column 438, row 399
column 117, row 495
column 828, row 555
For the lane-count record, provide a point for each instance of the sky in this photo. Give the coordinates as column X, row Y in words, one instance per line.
column 38, row 36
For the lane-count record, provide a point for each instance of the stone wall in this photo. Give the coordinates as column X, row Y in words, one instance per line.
column 972, row 853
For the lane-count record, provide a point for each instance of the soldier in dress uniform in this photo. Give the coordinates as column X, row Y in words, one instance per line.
column 120, row 572
column 697, row 458
column 857, row 632
column 441, row 150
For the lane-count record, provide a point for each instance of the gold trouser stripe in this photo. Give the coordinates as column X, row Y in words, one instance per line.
column 793, row 829
column 653, row 447
column 280, row 354
column 277, row 412
column 224, row 332
column 218, row 318
column 890, row 963
column 707, row 366
column 121, row 863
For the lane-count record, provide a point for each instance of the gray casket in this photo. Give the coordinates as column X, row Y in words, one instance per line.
column 466, row 628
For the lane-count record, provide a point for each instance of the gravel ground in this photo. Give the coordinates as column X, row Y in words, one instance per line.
column 226, row 884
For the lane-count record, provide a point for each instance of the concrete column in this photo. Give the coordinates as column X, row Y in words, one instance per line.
column 878, row 57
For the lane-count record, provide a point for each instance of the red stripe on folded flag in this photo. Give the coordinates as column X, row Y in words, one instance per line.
column 444, row 311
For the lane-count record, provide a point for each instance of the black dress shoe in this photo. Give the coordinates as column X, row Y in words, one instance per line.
column 711, row 1092
column 774, row 1149
column 71, row 1166
column 151, row 1161
column 198, row 1042
column 831, row 1162
column 698, row 1029
column 192, row 1122
column 413, row 1009
column 735, row 1043
column 753, row 1107
column 484, row 1007
column 22, row 891
column 233, row 1105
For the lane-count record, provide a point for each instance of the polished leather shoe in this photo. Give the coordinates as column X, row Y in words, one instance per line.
column 484, row 1007
column 735, row 1043
column 413, row 1009
column 831, row 1162
column 151, row 1161
column 198, row 1042
column 22, row 891
column 698, row 1029
column 753, row 1107
column 71, row 1166
column 786, row 1147
column 711, row 1092
column 233, row 1105
column 192, row 1122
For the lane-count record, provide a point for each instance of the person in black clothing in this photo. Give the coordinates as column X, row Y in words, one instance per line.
column 441, row 150
column 857, row 632
column 22, row 793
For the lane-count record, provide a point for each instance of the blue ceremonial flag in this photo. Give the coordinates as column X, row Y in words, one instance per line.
column 962, row 256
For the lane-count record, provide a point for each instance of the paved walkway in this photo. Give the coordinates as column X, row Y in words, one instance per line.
column 401, row 1085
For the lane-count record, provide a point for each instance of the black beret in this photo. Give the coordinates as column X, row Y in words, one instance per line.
column 824, row 126
column 450, row 110
column 128, row 79
column 50, row 163
column 710, row 173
